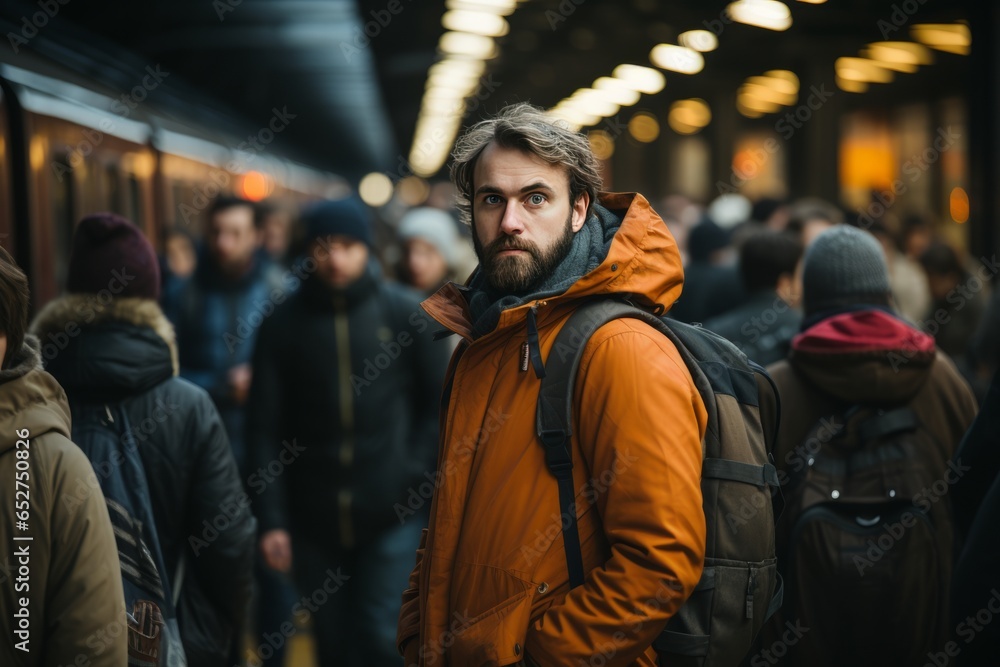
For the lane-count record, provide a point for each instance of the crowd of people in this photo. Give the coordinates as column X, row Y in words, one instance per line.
column 313, row 412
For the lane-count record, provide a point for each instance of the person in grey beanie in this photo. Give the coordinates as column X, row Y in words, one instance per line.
column 430, row 248
column 855, row 361
column 844, row 267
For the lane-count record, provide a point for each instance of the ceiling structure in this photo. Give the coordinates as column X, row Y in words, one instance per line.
column 353, row 72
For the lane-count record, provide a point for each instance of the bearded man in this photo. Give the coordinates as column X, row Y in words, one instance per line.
column 491, row 585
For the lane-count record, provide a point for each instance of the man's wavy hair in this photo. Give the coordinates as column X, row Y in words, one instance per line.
column 527, row 128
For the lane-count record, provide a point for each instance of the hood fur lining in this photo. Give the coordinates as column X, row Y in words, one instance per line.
column 85, row 309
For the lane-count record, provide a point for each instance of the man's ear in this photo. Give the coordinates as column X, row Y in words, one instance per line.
column 580, row 207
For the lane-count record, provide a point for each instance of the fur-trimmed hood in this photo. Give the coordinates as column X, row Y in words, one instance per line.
column 121, row 347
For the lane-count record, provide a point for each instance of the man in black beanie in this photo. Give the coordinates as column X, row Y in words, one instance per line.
column 342, row 425
column 871, row 415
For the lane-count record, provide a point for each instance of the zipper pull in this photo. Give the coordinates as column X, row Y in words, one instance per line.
column 750, row 587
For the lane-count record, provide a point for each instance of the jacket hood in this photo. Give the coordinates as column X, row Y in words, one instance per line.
column 641, row 261
column 30, row 398
column 106, row 351
column 864, row 356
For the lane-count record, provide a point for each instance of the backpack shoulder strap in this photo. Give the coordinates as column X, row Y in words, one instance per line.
column 133, row 473
column 554, row 412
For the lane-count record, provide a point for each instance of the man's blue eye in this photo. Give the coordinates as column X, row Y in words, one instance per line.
column 537, row 199
column 492, row 199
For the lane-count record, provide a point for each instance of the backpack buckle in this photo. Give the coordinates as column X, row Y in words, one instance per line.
column 557, row 455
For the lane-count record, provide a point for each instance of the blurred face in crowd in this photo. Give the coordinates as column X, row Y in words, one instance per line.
column 232, row 239
column 276, row 234
column 340, row 260
column 917, row 241
column 523, row 219
column 181, row 256
column 813, row 227
column 424, row 264
column 942, row 283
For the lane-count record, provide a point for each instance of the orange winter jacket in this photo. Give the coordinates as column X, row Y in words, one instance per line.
column 491, row 586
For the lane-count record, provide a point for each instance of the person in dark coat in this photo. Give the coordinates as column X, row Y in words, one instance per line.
column 108, row 341
column 711, row 286
column 217, row 313
column 342, row 422
column 976, row 503
column 763, row 327
column 218, row 310
column 855, row 350
column 959, row 301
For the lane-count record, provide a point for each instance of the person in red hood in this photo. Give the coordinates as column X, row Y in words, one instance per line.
column 854, row 350
column 491, row 585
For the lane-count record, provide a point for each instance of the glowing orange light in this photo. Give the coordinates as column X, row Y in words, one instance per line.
column 958, row 203
column 256, row 186
column 867, row 165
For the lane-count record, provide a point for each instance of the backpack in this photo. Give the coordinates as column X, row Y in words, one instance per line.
column 739, row 588
column 105, row 436
column 867, row 533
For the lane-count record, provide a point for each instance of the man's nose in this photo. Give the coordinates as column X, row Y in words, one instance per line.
column 511, row 222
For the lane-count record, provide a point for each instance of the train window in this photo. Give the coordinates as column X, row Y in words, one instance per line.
column 134, row 209
column 63, row 207
column 111, row 190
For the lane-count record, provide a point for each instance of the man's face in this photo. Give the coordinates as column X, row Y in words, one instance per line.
column 340, row 260
column 523, row 220
column 233, row 238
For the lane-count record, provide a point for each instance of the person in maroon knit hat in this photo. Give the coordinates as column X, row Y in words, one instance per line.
column 110, row 253
column 107, row 342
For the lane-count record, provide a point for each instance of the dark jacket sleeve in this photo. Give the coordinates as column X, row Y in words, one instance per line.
column 220, row 518
column 978, row 456
column 263, row 427
column 431, row 362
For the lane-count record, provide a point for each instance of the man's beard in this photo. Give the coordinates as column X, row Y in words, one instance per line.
column 516, row 274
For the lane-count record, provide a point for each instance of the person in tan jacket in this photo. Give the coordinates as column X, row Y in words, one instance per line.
column 491, row 586
column 61, row 597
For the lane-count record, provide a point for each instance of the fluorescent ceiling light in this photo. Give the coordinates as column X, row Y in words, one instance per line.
column 677, row 58
column 467, row 44
column 699, row 40
column 769, row 14
column 478, row 23
column 642, row 79
column 862, row 69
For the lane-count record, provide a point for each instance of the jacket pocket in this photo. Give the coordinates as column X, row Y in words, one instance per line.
column 495, row 637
